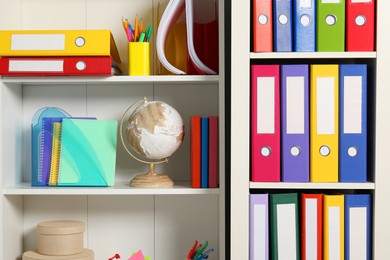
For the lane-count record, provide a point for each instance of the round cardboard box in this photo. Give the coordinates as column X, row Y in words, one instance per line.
column 86, row 254
column 60, row 238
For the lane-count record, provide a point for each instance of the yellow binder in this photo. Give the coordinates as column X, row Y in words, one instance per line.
column 333, row 227
column 58, row 43
column 324, row 123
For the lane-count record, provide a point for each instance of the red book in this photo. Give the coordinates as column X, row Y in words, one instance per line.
column 360, row 25
column 265, row 123
column 311, row 226
column 55, row 66
column 213, row 152
column 195, row 136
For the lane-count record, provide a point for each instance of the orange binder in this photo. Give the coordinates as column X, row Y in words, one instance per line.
column 262, row 25
column 195, row 151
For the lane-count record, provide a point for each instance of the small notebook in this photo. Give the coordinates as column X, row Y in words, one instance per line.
column 87, row 153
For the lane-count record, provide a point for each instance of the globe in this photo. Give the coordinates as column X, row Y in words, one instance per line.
column 154, row 131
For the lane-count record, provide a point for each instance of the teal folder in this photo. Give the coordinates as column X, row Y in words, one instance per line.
column 88, row 152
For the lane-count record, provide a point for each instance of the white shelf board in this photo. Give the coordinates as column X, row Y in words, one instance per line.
column 113, row 79
column 311, row 55
column 312, row 185
column 120, row 188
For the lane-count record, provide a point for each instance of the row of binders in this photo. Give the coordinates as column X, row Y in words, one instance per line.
column 204, row 151
column 313, row 25
column 310, row 226
column 70, row 151
column 309, row 123
column 58, row 52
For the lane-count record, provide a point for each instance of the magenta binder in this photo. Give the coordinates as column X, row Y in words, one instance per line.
column 295, row 123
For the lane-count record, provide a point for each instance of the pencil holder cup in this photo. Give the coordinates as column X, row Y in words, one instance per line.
column 139, row 58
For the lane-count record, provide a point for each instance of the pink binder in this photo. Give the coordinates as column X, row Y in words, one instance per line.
column 265, row 128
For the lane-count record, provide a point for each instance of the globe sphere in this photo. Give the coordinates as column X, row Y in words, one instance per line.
column 155, row 130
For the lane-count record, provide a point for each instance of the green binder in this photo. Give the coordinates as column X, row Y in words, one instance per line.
column 284, row 230
column 331, row 25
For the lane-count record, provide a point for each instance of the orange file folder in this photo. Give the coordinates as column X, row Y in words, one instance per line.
column 262, row 25
column 58, row 43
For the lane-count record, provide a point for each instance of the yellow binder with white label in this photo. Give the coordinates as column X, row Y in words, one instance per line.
column 324, row 123
column 333, row 227
column 58, row 43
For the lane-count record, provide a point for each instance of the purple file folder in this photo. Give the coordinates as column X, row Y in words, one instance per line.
column 259, row 227
column 295, row 123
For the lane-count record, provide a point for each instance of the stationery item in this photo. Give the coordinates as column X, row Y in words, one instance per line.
column 304, row 25
column 139, row 58
column 41, row 139
column 284, row 226
column 324, row 120
column 353, row 123
column 213, row 152
column 55, row 154
column 265, row 123
column 330, row 25
column 58, row 43
column 55, row 66
column 358, row 229
column 282, row 25
column 333, row 227
column 262, row 25
column 88, row 152
column 137, row 256
column 360, row 25
column 295, row 123
column 171, row 14
column 204, row 152
column 258, row 231
column 195, row 151
column 311, row 226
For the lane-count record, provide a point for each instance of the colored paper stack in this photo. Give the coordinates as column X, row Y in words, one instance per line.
column 311, row 25
column 302, row 137
column 60, row 240
column 204, row 152
column 57, row 52
column 310, row 226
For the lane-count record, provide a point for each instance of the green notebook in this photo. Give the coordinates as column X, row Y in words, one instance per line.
column 88, row 152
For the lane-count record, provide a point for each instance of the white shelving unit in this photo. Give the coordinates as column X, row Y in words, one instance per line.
column 163, row 222
column 240, row 188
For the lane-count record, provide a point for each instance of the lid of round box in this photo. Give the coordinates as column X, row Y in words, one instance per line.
column 60, row 227
column 87, row 254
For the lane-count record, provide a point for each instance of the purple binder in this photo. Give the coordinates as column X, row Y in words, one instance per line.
column 295, row 123
column 259, row 227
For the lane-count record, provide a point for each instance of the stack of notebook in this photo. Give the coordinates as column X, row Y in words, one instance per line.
column 57, row 52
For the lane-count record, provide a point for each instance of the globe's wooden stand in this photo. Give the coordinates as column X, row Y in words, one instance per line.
column 151, row 180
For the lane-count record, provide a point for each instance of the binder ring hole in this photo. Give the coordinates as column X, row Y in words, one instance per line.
column 80, row 41
column 283, row 19
column 352, row 151
column 295, row 150
column 324, row 150
column 266, row 151
column 263, row 19
column 330, row 19
column 305, row 20
column 360, row 20
column 81, row 65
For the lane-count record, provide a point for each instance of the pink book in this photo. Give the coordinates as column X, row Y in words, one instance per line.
column 265, row 123
column 213, row 152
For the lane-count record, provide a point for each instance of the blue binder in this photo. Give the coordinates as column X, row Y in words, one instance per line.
column 358, row 230
column 304, row 25
column 282, row 25
column 353, row 123
column 205, row 153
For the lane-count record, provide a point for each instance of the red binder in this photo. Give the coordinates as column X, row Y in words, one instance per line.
column 265, row 123
column 262, row 25
column 360, row 25
column 195, row 150
column 55, row 66
column 311, row 226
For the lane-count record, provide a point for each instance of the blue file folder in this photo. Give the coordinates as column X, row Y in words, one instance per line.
column 304, row 25
column 282, row 25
